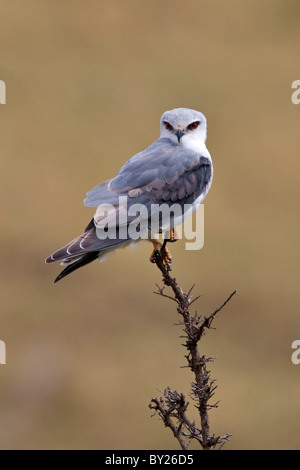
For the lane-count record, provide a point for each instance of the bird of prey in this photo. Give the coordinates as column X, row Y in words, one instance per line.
column 175, row 169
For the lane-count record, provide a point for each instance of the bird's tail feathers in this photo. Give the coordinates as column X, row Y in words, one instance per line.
column 73, row 265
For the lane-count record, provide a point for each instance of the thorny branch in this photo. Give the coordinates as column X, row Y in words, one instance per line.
column 171, row 408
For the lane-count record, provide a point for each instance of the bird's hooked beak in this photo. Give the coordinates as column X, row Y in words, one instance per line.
column 179, row 133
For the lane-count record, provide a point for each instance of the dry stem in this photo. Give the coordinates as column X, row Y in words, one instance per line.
column 172, row 407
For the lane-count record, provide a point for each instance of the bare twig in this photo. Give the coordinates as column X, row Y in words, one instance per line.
column 172, row 407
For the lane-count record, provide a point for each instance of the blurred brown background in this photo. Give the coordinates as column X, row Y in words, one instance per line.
column 87, row 82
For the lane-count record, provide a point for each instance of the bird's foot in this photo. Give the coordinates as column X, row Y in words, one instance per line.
column 164, row 254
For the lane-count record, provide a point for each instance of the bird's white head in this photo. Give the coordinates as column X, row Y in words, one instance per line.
column 185, row 127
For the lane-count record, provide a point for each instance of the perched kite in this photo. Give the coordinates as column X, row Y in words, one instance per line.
column 175, row 171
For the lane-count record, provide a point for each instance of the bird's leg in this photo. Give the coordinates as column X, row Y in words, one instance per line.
column 160, row 250
column 173, row 235
column 166, row 255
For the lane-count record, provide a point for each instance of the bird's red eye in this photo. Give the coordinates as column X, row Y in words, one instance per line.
column 194, row 125
column 168, row 126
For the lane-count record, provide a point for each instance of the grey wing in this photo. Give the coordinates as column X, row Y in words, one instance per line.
column 137, row 171
column 161, row 162
column 164, row 173
column 101, row 194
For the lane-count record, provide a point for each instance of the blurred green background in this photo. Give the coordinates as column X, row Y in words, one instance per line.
column 87, row 82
